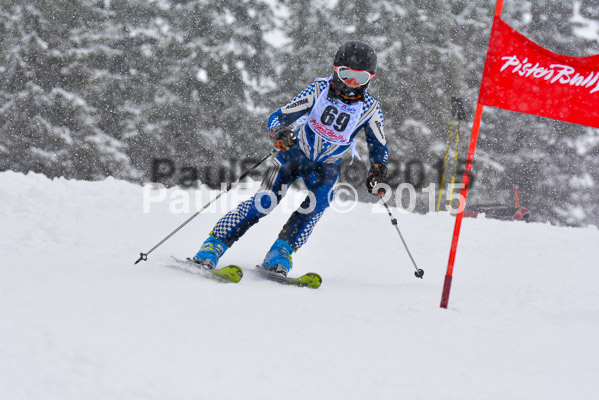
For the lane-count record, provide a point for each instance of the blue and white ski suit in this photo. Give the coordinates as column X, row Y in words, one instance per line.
column 326, row 131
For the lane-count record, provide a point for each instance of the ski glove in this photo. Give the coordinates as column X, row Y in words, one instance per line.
column 282, row 137
column 376, row 175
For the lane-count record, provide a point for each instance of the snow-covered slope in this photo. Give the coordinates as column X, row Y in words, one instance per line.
column 78, row 320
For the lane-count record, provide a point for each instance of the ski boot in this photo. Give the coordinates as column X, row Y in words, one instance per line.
column 278, row 259
column 210, row 253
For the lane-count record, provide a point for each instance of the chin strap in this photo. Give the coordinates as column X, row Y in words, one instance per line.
column 338, row 93
column 349, row 97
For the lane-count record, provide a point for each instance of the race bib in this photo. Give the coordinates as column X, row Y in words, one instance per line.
column 334, row 120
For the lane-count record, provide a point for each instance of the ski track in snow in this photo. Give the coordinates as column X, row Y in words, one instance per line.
column 78, row 320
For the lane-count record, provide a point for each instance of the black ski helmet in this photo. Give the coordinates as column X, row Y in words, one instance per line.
column 355, row 55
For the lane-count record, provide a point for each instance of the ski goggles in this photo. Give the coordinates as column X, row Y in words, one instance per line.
column 347, row 74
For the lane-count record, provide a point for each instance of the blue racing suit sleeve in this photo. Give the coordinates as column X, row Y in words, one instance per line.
column 299, row 106
column 375, row 138
column 278, row 118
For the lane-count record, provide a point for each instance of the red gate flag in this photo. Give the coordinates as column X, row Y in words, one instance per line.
column 522, row 76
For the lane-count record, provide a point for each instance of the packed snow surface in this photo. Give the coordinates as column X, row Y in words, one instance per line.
column 79, row 321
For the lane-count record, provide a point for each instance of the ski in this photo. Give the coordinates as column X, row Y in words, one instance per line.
column 230, row 273
column 310, row 280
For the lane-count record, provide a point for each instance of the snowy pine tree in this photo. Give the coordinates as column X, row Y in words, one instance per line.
column 92, row 88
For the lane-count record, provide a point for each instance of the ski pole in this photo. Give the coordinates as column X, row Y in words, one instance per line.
column 457, row 110
column 455, row 162
column 445, row 162
column 461, row 115
column 144, row 256
column 419, row 273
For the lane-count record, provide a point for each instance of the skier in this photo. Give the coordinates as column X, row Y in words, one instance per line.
column 332, row 110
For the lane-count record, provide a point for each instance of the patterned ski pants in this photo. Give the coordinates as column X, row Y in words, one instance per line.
column 286, row 168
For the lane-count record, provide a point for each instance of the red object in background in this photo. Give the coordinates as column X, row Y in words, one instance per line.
column 500, row 211
column 522, row 76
